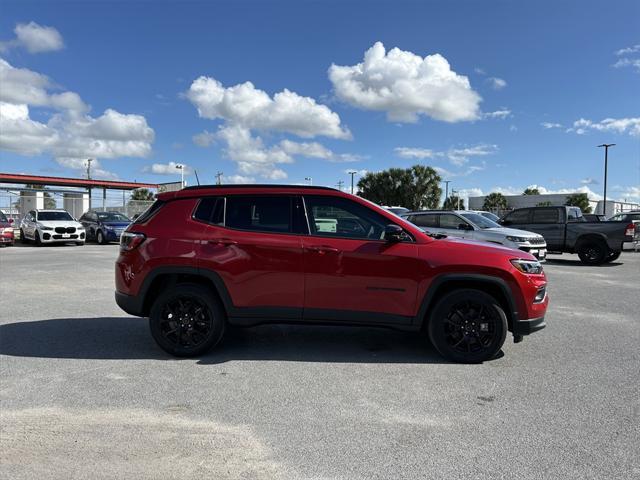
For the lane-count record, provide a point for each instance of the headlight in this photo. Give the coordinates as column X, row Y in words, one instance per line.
column 516, row 239
column 42, row 227
column 530, row 267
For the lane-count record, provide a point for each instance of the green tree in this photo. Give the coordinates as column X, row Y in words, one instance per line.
column 579, row 200
column 531, row 191
column 415, row 188
column 453, row 203
column 141, row 194
column 494, row 201
column 543, row 204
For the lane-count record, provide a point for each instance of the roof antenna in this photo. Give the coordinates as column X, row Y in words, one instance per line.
column 197, row 179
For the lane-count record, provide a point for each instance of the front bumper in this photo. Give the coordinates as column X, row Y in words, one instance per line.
column 538, row 251
column 130, row 304
column 47, row 236
column 528, row 326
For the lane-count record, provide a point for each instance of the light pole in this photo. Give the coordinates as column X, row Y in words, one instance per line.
column 309, row 179
column 446, row 195
column 606, row 158
column 352, row 173
column 181, row 168
column 89, row 160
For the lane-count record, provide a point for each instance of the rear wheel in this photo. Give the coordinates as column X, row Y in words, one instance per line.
column 468, row 326
column 187, row 320
column 592, row 252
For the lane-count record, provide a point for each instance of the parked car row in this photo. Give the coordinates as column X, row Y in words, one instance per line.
column 538, row 230
column 47, row 226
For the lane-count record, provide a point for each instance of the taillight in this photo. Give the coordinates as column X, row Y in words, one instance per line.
column 130, row 241
column 631, row 228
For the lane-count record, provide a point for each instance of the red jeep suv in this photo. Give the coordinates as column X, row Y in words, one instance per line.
column 207, row 256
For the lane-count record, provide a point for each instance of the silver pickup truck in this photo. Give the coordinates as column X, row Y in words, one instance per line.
column 566, row 230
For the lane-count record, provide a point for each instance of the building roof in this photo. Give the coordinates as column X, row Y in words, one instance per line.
column 72, row 182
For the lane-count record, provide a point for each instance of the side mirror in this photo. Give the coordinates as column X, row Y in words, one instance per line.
column 504, row 222
column 464, row 226
column 393, row 233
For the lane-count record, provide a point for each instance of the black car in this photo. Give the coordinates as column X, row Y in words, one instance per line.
column 104, row 227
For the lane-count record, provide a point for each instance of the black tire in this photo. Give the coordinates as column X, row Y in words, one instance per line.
column 592, row 252
column 38, row 241
column 23, row 239
column 80, row 244
column 468, row 326
column 613, row 256
column 100, row 238
column 187, row 320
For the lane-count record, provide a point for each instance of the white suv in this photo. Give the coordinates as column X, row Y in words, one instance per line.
column 473, row 225
column 51, row 226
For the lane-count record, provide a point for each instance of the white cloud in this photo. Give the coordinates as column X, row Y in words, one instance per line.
column 167, row 168
column 513, row 128
column 71, row 135
column 480, row 71
column 549, row 125
column 254, row 109
column 589, row 181
column 244, row 109
column 628, row 62
column 405, row 86
column 236, row 179
column 34, row 38
column 204, row 139
column 615, row 125
column 497, row 83
column 501, row 114
column 627, row 50
column 457, row 156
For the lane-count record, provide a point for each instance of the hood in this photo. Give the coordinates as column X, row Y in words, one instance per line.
column 512, row 232
column 60, row 223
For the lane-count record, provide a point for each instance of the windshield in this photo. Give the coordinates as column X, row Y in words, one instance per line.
column 3, row 218
column 53, row 216
column 490, row 216
column 480, row 221
column 112, row 217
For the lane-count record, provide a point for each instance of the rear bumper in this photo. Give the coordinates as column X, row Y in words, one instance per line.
column 528, row 326
column 130, row 304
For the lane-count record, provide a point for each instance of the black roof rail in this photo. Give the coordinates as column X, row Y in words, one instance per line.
column 258, row 185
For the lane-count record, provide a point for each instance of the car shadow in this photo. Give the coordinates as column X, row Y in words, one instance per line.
column 128, row 338
column 578, row 263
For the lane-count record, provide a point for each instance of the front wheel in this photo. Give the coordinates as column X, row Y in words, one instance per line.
column 23, row 239
column 100, row 238
column 468, row 326
column 592, row 253
column 187, row 320
column 38, row 241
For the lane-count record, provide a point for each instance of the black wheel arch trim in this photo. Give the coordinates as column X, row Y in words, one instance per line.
column 430, row 299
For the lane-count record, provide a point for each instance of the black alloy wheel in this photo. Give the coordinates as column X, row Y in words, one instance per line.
column 592, row 253
column 187, row 320
column 23, row 239
column 38, row 241
column 468, row 326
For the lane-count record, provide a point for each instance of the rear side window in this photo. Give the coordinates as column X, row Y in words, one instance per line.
column 149, row 212
column 425, row 221
column 518, row 216
column 261, row 214
column 210, row 210
column 546, row 215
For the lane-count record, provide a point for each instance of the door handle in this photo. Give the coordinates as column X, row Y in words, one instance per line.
column 222, row 241
column 322, row 249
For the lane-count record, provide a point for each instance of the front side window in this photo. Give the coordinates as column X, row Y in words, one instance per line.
column 262, row 214
column 339, row 217
column 450, row 222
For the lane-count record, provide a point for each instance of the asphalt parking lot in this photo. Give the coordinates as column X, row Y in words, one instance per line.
column 85, row 393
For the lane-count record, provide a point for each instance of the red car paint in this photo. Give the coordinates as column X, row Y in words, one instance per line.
column 6, row 230
column 300, row 277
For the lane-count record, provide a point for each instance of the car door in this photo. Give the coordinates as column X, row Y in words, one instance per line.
column 253, row 243
column 547, row 222
column 351, row 274
column 30, row 224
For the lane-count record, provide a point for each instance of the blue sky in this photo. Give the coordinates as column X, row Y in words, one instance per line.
column 510, row 94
